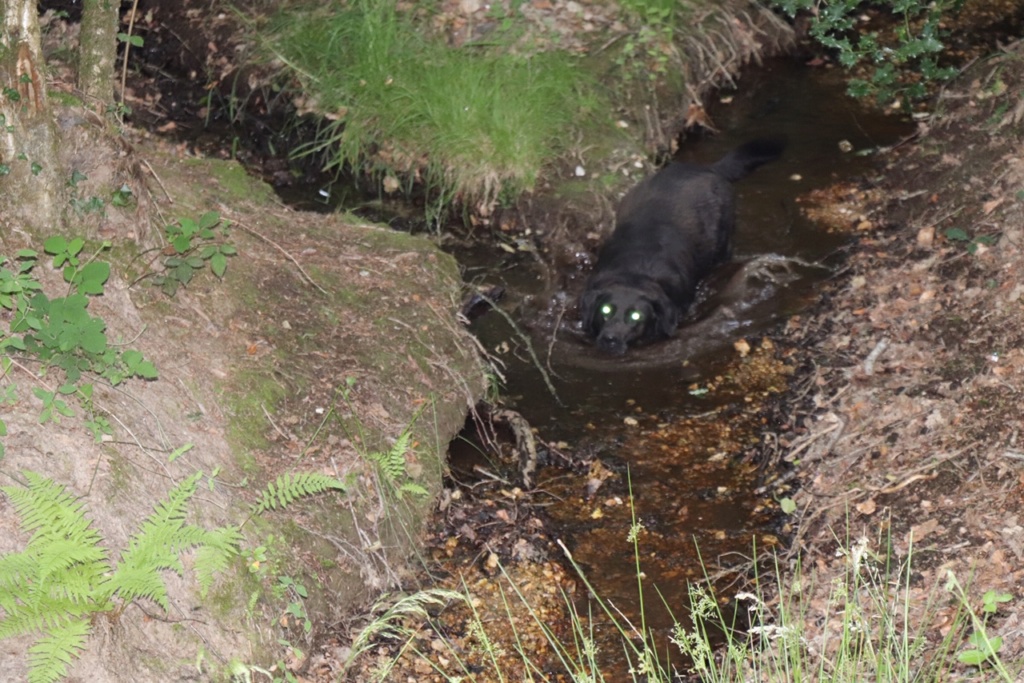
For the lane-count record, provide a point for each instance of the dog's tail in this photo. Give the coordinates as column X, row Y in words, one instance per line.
column 744, row 159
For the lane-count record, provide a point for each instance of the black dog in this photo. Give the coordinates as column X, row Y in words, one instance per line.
column 671, row 230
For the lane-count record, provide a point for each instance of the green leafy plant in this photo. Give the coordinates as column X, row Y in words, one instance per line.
column 195, row 245
column 390, row 464
column 59, row 334
column 122, row 197
column 984, row 648
column 971, row 243
column 647, row 51
column 916, row 47
column 296, row 608
column 64, row 578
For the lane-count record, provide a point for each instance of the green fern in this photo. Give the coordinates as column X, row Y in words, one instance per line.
column 63, row 577
column 392, row 463
column 50, row 656
column 289, row 487
column 392, row 466
column 158, row 545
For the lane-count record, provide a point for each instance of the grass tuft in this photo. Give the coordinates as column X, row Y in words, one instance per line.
column 872, row 624
column 472, row 123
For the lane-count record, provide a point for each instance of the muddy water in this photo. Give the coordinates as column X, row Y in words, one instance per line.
column 674, row 419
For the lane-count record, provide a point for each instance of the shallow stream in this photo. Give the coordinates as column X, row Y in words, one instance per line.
column 673, row 420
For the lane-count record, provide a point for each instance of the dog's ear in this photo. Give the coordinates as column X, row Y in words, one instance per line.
column 667, row 314
column 588, row 309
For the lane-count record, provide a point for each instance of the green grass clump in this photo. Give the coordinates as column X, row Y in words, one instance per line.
column 475, row 123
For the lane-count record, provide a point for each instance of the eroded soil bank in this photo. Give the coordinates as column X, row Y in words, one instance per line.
column 904, row 423
column 330, row 347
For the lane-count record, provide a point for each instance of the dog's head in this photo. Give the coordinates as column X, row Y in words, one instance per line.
column 617, row 315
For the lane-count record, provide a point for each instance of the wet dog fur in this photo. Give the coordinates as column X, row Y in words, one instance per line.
column 671, row 230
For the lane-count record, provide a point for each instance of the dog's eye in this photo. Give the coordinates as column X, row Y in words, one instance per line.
column 607, row 310
column 636, row 316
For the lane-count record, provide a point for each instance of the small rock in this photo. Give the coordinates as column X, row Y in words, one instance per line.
column 926, row 237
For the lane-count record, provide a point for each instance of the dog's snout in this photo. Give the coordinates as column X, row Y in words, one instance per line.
column 611, row 343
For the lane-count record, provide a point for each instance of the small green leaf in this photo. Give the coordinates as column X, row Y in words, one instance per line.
column 957, row 235
column 55, row 245
column 63, row 408
column 181, row 243
column 92, row 277
column 178, row 452
column 134, row 41
column 787, row 505
column 146, row 370
column 184, row 273
column 991, row 599
column 218, row 264
column 187, row 226
column 209, row 219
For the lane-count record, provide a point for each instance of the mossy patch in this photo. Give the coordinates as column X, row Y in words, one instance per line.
column 252, row 395
column 231, row 178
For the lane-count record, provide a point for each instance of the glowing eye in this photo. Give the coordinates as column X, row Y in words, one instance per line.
column 607, row 310
column 636, row 316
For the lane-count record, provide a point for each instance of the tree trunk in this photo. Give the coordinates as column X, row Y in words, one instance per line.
column 31, row 197
column 97, row 52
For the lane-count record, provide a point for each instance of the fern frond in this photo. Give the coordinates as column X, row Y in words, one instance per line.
column 155, row 548
column 158, row 545
column 289, row 487
column 55, row 577
column 15, row 569
column 132, row 582
column 40, row 614
column 60, row 555
column 391, row 463
column 170, row 513
column 49, row 657
column 63, row 577
column 215, row 554
column 47, row 509
column 413, row 488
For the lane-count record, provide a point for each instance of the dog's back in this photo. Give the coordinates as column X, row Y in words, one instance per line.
column 687, row 207
column 743, row 160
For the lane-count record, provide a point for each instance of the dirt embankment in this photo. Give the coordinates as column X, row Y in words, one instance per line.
column 907, row 430
column 325, row 343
